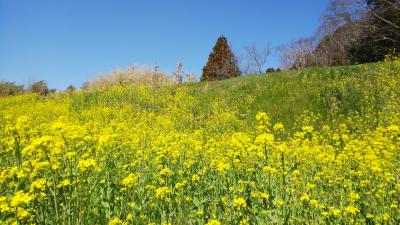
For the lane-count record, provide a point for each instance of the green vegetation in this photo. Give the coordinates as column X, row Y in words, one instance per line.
column 317, row 146
column 330, row 92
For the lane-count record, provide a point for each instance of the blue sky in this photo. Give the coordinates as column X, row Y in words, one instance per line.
column 67, row 42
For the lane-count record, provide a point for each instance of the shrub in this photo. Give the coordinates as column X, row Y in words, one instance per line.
column 270, row 70
column 10, row 88
column 39, row 87
column 70, row 89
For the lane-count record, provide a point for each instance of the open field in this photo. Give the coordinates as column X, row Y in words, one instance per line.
column 316, row 146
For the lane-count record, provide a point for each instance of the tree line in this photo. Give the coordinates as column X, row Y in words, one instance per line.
column 351, row 32
column 39, row 87
column 223, row 64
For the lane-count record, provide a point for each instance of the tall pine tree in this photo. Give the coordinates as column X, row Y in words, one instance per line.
column 222, row 63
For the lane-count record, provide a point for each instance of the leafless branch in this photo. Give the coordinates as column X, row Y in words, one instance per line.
column 256, row 59
column 377, row 16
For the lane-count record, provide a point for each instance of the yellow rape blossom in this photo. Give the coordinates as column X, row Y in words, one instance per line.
column 162, row 192
column 239, row 203
column 64, row 183
column 22, row 213
column 130, row 180
column 213, row 222
column 21, row 198
column 351, row 210
column 85, row 164
column 115, row 221
column 39, row 184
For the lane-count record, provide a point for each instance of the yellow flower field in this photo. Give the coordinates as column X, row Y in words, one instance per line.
column 145, row 156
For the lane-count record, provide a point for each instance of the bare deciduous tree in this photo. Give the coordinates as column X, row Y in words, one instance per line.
column 297, row 54
column 178, row 73
column 256, row 59
column 341, row 27
column 339, row 13
column 39, row 87
column 392, row 5
column 190, row 78
column 351, row 31
column 368, row 28
column 10, row 88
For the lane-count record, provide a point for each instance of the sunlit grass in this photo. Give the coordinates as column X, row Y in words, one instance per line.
column 318, row 146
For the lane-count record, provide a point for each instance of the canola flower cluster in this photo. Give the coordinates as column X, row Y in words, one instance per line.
column 91, row 159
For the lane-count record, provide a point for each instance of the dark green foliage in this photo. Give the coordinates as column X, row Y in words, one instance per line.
column 382, row 35
column 10, row 88
column 354, row 32
column 70, row 89
column 270, row 70
column 222, row 63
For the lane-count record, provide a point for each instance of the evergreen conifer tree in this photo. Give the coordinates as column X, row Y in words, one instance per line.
column 222, row 63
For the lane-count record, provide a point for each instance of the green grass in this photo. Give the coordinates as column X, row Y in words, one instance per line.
column 286, row 95
column 340, row 135
column 330, row 92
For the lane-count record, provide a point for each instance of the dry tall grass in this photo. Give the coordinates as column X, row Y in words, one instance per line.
column 131, row 77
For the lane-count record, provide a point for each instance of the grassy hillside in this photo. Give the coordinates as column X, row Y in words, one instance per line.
column 317, row 146
column 331, row 93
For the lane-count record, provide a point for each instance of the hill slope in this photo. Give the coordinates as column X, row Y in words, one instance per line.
column 336, row 91
column 314, row 146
